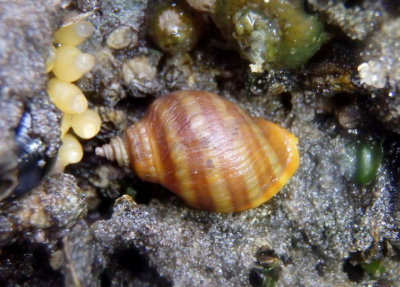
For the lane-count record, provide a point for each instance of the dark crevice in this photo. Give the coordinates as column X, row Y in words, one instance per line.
column 354, row 270
column 353, row 3
column 136, row 266
column 286, row 100
column 25, row 262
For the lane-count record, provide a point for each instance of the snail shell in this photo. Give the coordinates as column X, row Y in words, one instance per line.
column 207, row 151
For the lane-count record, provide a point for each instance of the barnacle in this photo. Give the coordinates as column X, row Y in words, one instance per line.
column 202, row 5
column 273, row 34
column 121, row 38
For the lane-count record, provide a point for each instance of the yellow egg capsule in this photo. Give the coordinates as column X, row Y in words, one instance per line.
column 65, row 124
column 70, row 63
column 74, row 34
column 87, row 124
column 71, row 150
column 67, row 97
column 208, row 151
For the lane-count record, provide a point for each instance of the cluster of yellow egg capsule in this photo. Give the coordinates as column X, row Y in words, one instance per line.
column 68, row 64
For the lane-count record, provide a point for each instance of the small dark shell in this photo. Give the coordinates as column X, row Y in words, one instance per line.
column 33, row 162
column 173, row 26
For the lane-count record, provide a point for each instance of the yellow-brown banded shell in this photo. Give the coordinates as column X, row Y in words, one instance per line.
column 207, row 151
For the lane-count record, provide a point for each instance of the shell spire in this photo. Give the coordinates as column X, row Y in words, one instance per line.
column 208, row 151
column 114, row 151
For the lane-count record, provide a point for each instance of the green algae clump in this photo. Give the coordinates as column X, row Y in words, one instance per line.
column 274, row 34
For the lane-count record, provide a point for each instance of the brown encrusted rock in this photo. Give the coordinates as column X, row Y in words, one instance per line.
column 57, row 203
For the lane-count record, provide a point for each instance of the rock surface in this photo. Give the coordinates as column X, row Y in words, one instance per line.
column 321, row 229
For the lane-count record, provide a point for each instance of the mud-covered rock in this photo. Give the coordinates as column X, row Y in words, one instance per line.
column 54, row 205
column 381, row 64
column 317, row 221
column 32, row 229
column 79, row 256
column 27, row 264
column 379, row 70
column 25, row 38
column 27, row 120
column 356, row 20
column 322, row 229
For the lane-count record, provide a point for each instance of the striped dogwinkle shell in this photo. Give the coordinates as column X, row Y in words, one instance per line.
column 208, row 151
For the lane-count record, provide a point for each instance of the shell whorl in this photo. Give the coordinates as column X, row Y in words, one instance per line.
column 209, row 152
column 115, row 151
